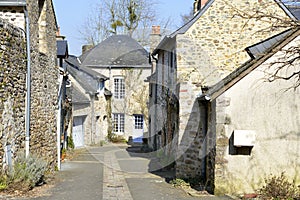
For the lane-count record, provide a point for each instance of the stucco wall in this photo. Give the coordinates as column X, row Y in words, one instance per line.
column 136, row 95
column 272, row 112
column 82, row 110
column 209, row 50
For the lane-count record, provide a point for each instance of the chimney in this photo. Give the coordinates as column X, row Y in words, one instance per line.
column 155, row 30
column 203, row 2
column 86, row 47
column 198, row 5
column 59, row 36
column 58, row 31
column 155, row 37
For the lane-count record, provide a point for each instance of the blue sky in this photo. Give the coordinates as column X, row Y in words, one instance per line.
column 71, row 15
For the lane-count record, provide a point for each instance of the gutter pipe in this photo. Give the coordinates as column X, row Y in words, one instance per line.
column 59, row 117
column 154, row 143
column 28, row 85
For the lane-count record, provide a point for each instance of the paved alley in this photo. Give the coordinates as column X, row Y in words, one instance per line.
column 114, row 172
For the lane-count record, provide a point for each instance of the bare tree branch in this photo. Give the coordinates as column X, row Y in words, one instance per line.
column 120, row 17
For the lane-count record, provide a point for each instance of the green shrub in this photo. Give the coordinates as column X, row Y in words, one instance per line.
column 26, row 173
column 3, row 181
column 278, row 187
column 179, row 183
column 117, row 139
column 70, row 142
column 102, row 142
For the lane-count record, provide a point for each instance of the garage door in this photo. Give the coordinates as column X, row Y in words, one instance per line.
column 78, row 131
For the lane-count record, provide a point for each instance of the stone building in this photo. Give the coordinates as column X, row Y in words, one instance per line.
column 189, row 62
column 126, row 65
column 255, row 133
column 44, row 74
column 90, row 104
column 12, row 90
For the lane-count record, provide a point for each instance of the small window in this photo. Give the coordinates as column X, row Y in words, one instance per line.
column 138, row 121
column 101, row 85
column 119, row 123
column 119, row 90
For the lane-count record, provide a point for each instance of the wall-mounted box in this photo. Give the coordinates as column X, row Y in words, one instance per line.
column 243, row 138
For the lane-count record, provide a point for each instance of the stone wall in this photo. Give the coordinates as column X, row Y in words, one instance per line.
column 44, row 76
column 44, row 85
column 14, row 15
column 218, row 39
column 12, row 89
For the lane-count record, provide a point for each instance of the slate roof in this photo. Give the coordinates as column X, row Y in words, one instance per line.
column 219, row 88
column 87, row 78
column 62, row 48
column 87, row 82
column 260, row 48
column 116, row 51
column 291, row 7
column 75, row 62
column 77, row 96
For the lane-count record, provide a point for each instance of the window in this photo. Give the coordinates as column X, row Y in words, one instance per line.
column 101, row 85
column 138, row 121
column 118, row 123
column 119, row 88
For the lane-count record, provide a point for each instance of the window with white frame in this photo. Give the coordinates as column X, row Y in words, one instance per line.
column 119, row 123
column 138, row 121
column 119, row 90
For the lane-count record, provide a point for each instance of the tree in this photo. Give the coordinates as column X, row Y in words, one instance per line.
column 119, row 17
column 187, row 17
column 96, row 26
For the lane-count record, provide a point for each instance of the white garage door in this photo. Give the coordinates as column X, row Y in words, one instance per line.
column 78, row 131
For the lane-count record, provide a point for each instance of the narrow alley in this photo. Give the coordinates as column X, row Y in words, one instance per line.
column 115, row 172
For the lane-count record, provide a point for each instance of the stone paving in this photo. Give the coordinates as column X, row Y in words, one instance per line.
column 114, row 172
column 126, row 176
column 115, row 186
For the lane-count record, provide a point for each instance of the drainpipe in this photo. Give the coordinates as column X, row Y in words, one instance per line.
column 28, row 85
column 204, row 110
column 93, row 119
column 155, row 138
column 59, row 118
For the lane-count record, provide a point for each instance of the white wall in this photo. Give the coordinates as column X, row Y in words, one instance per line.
column 272, row 112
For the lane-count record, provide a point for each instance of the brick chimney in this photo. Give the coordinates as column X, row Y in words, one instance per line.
column 199, row 4
column 203, row 2
column 59, row 36
column 155, row 37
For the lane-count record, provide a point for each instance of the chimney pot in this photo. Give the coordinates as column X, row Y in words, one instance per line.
column 156, row 30
column 203, row 2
